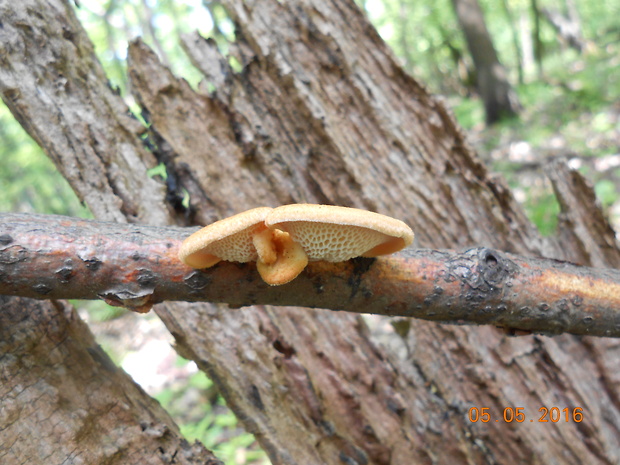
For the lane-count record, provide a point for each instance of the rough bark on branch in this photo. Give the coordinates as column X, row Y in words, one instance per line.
column 137, row 266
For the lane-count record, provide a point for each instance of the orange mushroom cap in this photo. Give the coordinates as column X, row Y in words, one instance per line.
column 229, row 239
column 337, row 234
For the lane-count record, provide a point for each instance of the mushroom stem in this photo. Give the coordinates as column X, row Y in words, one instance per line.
column 290, row 259
column 265, row 246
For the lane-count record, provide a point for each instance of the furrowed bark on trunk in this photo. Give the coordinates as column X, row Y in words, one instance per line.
column 64, row 400
column 113, row 182
column 321, row 112
column 583, row 230
column 61, row 398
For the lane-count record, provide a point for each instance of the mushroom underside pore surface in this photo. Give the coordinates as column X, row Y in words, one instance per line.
column 229, row 239
column 334, row 233
column 335, row 242
column 282, row 240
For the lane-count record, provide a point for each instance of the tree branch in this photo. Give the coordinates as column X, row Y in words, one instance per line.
column 136, row 266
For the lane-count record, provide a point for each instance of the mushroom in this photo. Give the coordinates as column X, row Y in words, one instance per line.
column 283, row 239
column 287, row 261
column 337, row 234
column 245, row 238
column 230, row 239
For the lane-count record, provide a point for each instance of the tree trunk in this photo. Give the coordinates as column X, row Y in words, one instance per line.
column 515, row 40
column 500, row 100
column 321, row 112
column 539, row 48
column 567, row 25
column 526, row 37
column 64, row 401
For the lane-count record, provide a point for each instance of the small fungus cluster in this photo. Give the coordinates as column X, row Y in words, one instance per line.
column 282, row 240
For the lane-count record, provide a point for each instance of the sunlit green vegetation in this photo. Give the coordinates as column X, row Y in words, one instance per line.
column 28, row 179
column 112, row 24
column 209, row 421
column 570, row 108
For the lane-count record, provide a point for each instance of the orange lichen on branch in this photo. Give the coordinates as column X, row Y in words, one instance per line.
column 586, row 287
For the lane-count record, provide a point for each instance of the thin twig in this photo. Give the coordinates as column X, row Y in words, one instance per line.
column 136, row 266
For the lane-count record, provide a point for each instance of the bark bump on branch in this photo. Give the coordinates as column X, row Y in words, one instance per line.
column 136, row 266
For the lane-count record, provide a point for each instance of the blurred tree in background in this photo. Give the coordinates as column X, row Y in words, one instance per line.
column 571, row 109
column 492, row 83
